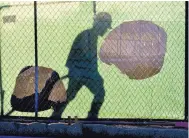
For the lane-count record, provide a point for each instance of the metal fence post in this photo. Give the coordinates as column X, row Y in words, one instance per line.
column 1, row 89
column 36, row 60
column 94, row 7
column 1, row 86
column 186, row 60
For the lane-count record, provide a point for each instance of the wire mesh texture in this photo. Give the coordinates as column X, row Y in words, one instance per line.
column 68, row 44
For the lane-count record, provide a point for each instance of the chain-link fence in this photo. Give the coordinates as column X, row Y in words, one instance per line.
column 73, row 44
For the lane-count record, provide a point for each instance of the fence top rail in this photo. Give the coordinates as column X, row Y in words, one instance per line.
column 30, row 3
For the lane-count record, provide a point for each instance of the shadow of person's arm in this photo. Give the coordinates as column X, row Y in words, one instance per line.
column 64, row 77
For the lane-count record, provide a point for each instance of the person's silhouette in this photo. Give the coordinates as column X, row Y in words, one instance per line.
column 83, row 68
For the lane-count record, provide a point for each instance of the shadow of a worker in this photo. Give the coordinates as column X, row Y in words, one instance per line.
column 83, row 67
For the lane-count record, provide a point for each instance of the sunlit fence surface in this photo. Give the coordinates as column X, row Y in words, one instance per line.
column 160, row 96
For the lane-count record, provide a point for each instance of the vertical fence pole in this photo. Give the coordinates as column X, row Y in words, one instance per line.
column 186, row 60
column 1, row 85
column 94, row 8
column 1, row 89
column 36, row 60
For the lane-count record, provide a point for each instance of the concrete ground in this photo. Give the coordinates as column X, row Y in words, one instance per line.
column 44, row 130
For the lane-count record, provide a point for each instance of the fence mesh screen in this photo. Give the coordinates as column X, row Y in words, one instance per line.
column 68, row 44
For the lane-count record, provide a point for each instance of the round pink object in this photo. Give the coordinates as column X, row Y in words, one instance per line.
column 137, row 48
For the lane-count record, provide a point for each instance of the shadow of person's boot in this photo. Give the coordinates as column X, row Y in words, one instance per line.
column 92, row 116
column 57, row 113
column 55, row 116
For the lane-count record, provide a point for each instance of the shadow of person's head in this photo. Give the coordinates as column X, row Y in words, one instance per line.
column 102, row 22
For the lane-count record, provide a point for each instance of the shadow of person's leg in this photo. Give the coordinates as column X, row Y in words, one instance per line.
column 97, row 88
column 74, row 86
